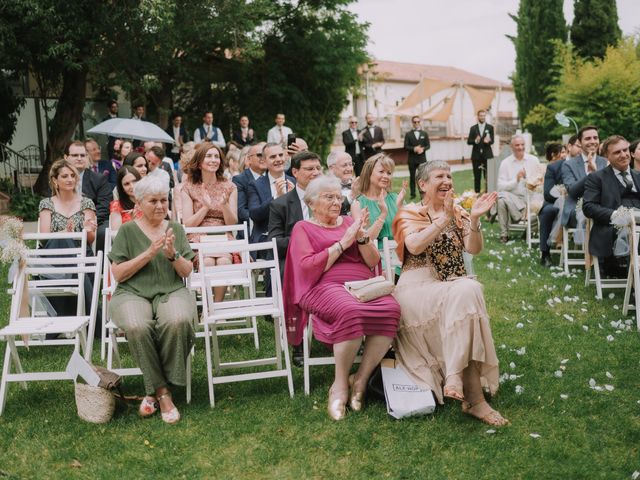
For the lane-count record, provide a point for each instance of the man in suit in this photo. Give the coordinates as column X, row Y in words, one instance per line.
column 97, row 164
column 575, row 171
column 371, row 138
column 604, row 191
column 352, row 145
column 138, row 114
column 555, row 153
column 244, row 135
column 94, row 186
column 275, row 183
column 257, row 167
column 416, row 143
column 280, row 132
column 179, row 134
column 341, row 166
column 481, row 137
column 112, row 107
column 208, row 132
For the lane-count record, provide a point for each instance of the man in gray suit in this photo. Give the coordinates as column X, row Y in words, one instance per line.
column 576, row 169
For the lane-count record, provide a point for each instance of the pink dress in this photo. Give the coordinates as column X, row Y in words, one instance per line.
column 337, row 315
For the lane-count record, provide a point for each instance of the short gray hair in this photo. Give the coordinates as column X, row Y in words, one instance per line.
column 318, row 185
column 154, row 183
column 332, row 159
column 516, row 136
column 425, row 169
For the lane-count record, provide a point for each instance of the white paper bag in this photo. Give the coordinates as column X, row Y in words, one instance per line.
column 404, row 398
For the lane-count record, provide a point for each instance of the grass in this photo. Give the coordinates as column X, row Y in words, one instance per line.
column 257, row 431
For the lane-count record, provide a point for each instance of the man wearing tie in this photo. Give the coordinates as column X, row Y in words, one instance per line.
column 416, row 143
column 244, row 135
column 280, row 132
column 605, row 191
column 352, row 145
column 371, row 138
column 208, row 132
column 481, row 136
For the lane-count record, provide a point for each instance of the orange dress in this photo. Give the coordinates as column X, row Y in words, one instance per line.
column 127, row 215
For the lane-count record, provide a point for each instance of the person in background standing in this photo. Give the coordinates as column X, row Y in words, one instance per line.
column 481, row 137
column 352, row 145
column 279, row 133
column 244, row 135
column 371, row 138
column 416, row 143
column 179, row 134
column 208, row 132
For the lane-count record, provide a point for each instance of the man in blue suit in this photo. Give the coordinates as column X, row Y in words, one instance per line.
column 576, row 169
column 273, row 184
column 555, row 154
column 257, row 167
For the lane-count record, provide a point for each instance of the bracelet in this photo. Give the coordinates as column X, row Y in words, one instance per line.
column 340, row 247
column 479, row 230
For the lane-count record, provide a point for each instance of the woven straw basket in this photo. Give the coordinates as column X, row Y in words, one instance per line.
column 94, row 404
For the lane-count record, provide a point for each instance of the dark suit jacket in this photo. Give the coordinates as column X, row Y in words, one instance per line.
column 105, row 167
column 99, row 190
column 237, row 137
column 242, row 181
column 367, row 142
column 602, row 196
column 284, row 213
column 410, row 141
column 259, row 204
column 349, row 144
column 552, row 177
column 183, row 135
column 482, row 150
column 573, row 178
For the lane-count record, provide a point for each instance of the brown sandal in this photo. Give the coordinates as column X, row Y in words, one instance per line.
column 492, row 418
column 450, row 391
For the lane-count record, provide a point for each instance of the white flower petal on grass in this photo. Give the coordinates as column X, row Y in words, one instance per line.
column 512, row 365
column 610, row 338
column 612, row 295
column 558, row 373
column 635, row 475
column 491, row 431
column 616, row 307
column 578, row 355
column 585, row 328
column 598, row 388
column 592, row 382
column 564, row 360
column 567, row 288
column 608, row 374
column 569, row 337
column 534, row 435
column 519, row 325
column 609, row 388
column 568, row 317
column 557, row 300
column 564, row 396
column 519, row 389
column 521, row 351
column 583, row 310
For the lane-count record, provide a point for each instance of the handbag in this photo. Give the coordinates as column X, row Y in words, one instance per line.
column 96, row 404
column 370, row 289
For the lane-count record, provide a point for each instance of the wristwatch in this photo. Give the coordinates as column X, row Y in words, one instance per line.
column 363, row 240
column 175, row 257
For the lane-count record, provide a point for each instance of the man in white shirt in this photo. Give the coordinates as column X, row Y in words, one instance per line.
column 279, row 133
column 341, row 166
column 514, row 172
column 604, row 192
column 352, row 144
column 208, row 132
column 179, row 134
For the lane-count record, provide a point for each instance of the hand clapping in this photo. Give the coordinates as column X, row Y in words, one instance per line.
column 168, row 247
column 483, row 204
column 350, row 235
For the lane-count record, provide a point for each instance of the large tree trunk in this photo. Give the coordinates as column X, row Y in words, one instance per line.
column 68, row 115
column 164, row 103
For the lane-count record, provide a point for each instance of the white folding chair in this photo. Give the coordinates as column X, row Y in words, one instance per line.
column 600, row 283
column 633, row 279
column 81, row 327
column 571, row 256
column 526, row 225
column 108, row 289
column 390, row 258
column 217, row 314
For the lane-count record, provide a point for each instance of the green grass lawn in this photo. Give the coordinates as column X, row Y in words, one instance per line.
column 543, row 323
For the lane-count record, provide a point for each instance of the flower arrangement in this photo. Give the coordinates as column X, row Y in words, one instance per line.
column 622, row 217
column 466, row 200
column 11, row 243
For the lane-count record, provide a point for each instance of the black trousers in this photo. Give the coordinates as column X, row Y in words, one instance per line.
column 358, row 163
column 413, row 166
column 479, row 166
column 547, row 215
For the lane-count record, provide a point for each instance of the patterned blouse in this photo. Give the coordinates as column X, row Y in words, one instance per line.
column 217, row 191
column 444, row 254
column 59, row 222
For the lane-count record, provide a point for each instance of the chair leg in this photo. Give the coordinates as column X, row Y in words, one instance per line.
column 305, row 351
column 285, row 351
column 596, row 270
column 278, row 339
column 207, row 346
column 103, row 329
column 213, row 331
column 6, row 370
column 11, row 345
column 81, row 335
column 189, row 360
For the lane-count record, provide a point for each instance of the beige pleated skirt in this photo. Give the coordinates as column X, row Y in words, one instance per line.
column 443, row 327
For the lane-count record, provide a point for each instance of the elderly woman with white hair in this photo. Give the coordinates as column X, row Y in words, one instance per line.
column 325, row 252
column 150, row 258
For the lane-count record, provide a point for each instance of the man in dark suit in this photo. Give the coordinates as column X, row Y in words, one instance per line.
column 481, row 137
column 97, row 164
column 275, row 183
column 604, row 191
column 179, row 134
column 94, row 186
column 575, row 171
column 416, row 143
column 352, row 145
column 371, row 138
column 257, row 167
column 244, row 135
column 549, row 212
column 112, row 106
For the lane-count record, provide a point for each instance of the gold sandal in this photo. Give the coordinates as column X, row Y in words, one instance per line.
column 492, row 418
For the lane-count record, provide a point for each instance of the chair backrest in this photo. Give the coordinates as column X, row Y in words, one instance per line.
column 109, row 283
column 210, row 276
column 219, row 230
column 391, row 260
column 79, row 250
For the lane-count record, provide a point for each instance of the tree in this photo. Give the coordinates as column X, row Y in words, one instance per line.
column 539, row 24
column 604, row 92
column 595, row 27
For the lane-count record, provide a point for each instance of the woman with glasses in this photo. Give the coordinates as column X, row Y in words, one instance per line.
column 324, row 252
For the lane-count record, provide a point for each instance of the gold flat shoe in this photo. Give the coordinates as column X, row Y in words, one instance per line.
column 356, row 400
column 336, row 407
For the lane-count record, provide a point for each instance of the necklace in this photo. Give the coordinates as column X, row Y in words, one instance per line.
column 322, row 224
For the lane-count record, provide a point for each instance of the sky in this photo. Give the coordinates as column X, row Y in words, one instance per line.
column 467, row 34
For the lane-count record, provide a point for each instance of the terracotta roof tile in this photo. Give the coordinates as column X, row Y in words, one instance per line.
column 412, row 72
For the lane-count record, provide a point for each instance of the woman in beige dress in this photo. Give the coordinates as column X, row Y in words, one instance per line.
column 444, row 340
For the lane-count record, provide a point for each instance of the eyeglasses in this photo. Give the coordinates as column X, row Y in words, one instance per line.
column 311, row 169
column 331, row 198
column 416, row 121
column 77, row 155
column 353, row 122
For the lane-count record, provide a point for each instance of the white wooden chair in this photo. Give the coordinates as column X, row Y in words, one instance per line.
column 390, row 258
column 81, row 327
column 216, row 314
column 108, row 289
column 571, row 256
column 633, row 279
column 526, row 225
column 592, row 261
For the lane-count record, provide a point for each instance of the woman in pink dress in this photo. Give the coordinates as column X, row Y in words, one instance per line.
column 209, row 199
column 323, row 254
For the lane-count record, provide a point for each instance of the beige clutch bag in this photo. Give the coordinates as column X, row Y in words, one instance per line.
column 367, row 290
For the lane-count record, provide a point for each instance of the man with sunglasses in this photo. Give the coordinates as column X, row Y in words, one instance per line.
column 416, row 143
column 352, row 145
column 256, row 169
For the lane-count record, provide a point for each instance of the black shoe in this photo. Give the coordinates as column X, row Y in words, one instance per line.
column 545, row 261
column 298, row 355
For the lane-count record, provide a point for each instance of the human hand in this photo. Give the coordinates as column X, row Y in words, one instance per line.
column 364, row 215
column 448, row 203
column 156, row 246
column 477, row 140
column 521, row 174
column 487, row 137
column 403, row 192
column 168, row 247
column 382, row 205
column 350, row 235
column 283, row 186
column 591, row 164
column 90, row 225
column 483, row 204
column 207, row 201
column 70, row 225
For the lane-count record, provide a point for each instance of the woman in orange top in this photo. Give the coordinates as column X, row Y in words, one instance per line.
column 124, row 209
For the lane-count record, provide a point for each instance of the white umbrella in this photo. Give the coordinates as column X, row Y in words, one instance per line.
column 131, row 128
